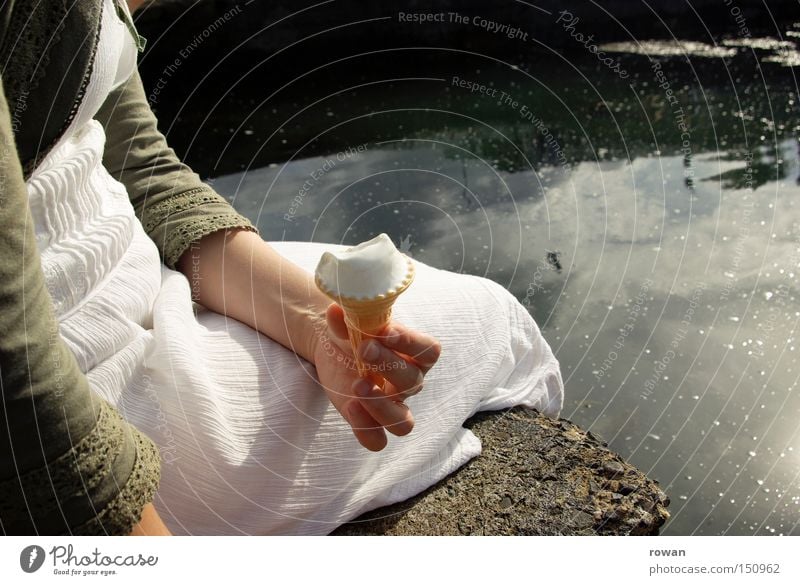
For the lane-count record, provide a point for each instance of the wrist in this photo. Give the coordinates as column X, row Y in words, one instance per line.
column 314, row 331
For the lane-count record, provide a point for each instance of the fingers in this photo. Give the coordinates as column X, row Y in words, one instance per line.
column 365, row 428
column 422, row 348
column 368, row 432
column 402, row 356
column 405, row 376
column 392, row 414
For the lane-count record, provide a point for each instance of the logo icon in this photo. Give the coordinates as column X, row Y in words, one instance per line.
column 31, row 558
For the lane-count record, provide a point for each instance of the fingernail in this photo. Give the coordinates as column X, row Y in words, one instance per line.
column 362, row 388
column 370, row 351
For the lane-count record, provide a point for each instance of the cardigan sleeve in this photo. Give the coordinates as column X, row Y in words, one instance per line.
column 174, row 206
column 69, row 463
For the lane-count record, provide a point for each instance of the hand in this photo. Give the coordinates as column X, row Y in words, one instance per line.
column 401, row 355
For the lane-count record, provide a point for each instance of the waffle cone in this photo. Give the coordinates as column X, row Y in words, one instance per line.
column 366, row 317
column 366, row 320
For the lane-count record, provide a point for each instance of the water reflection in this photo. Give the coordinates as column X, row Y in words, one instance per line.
column 664, row 279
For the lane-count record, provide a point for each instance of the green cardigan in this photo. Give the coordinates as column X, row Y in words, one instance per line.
column 69, row 463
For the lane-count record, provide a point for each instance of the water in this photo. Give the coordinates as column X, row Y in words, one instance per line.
column 650, row 224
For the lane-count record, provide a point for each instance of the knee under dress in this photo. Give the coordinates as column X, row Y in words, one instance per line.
column 249, row 442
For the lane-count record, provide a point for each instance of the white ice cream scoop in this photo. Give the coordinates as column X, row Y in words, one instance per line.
column 366, row 281
column 373, row 269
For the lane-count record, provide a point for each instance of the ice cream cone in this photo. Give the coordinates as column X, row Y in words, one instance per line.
column 365, row 317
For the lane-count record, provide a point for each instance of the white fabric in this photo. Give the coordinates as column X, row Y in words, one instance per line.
column 250, row 443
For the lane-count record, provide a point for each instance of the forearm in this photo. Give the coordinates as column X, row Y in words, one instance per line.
column 236, row 273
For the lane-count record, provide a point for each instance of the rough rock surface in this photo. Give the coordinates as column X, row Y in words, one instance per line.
column 536, row 476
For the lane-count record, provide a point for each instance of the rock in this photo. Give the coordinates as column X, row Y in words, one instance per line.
column 567, row 490
column 613, row 468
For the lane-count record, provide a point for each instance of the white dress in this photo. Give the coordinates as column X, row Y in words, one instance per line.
column 250, row 444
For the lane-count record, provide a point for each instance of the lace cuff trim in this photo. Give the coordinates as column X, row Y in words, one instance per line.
column 80, row 472
column 124, row 511
column 208, row 212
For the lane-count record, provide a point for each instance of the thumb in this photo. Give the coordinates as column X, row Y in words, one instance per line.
column 336, row 324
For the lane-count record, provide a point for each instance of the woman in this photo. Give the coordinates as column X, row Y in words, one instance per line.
column 107, row 239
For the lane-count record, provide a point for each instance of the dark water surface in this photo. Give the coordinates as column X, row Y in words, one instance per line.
column 650, row 223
